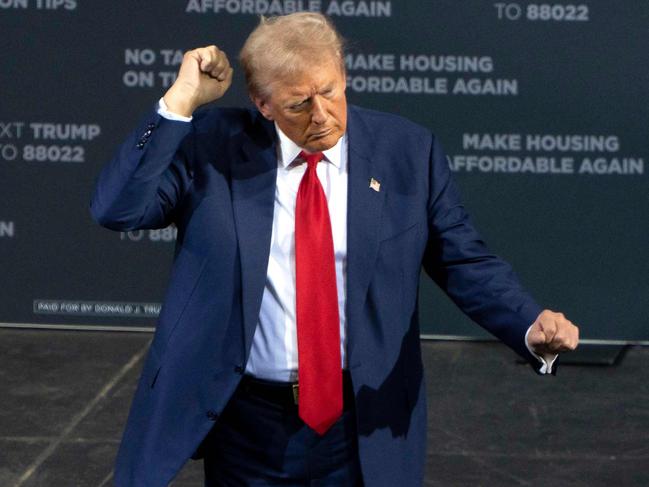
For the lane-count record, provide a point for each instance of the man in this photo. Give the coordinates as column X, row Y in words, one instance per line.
column 287, row 351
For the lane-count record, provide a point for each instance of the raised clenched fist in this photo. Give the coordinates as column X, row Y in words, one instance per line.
column 552, row 333
column 204, row 76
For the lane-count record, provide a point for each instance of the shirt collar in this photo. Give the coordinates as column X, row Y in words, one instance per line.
column 289, row 150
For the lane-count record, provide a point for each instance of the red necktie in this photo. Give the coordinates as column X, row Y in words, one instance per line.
column 320, row 401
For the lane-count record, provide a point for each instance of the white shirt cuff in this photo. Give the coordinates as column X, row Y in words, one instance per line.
column 163, row 111
column 547, row 359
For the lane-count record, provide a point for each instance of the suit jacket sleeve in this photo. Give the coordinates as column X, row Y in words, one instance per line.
column 147, row 178
column 480, row 283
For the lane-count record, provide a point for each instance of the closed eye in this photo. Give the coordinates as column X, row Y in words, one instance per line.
column 298, row 105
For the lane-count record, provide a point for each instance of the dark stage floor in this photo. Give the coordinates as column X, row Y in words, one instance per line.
column 492, row 422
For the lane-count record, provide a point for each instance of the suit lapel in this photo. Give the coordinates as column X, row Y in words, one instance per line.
column 253, row 194
column 364, row 207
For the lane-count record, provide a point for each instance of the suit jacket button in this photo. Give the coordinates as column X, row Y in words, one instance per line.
column 211, row 414
column 238, row 369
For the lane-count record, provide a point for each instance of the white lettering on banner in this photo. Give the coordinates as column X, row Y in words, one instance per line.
column 370, row 62
column 575, row 143
column 491, row 141
column 39, row 4
column 546, row 161
column 46, row 141
column 167, row 78
column 148, row 57
column 253, row 7
column 8, row 152
column 7, row 229
column 139, row 79
column 56, row 4
column 500, row 164
column 171, row 57
column 13, row 4
column 349, row 8
column 152, row 309
column 64, row 131
column 603, row 166
column 419, row 63
column 340, row 8
column 448, row 64
column 415, row 85
column 139, row 56
column 386, row 84
column 539, row 142
column 53, row 153
column 400, row 82
column 11, row 130
column 95, row 308
column 46, row 307
column 168, row 234
column 475, row 86
column 509, row 11
column 544, row 12
column 157, row 62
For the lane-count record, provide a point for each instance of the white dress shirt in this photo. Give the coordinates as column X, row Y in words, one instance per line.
column 273, row 355
column 274, row 345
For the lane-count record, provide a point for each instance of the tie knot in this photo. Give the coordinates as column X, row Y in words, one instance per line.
column 311, row 159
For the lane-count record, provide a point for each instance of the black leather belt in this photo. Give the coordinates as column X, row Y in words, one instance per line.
column 286, row 394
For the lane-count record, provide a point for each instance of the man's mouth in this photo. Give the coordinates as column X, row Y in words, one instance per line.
column 321, row 134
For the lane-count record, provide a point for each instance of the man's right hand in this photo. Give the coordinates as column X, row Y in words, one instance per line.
column 204, row 76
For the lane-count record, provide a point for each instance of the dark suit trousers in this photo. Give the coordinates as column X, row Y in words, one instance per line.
column 259, row 441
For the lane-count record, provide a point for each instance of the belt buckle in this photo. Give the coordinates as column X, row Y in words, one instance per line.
column 295, row 388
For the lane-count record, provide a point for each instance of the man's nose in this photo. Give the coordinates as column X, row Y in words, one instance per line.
column 318, row 113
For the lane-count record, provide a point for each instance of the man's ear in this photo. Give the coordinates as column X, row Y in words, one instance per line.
column 262, row 106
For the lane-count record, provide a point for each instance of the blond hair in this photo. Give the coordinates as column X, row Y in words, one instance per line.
column 285, row 45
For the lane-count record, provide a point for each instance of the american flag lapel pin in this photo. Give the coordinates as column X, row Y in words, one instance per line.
column 375, row 185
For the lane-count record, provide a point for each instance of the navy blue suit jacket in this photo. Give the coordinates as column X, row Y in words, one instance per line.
column 215, row 179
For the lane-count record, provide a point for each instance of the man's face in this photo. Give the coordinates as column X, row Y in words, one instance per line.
column 310, row 108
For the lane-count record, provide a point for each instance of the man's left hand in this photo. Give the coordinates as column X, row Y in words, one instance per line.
column 552, row 333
